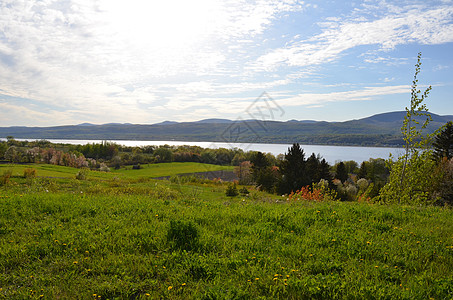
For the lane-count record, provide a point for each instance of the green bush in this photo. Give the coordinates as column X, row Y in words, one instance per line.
column 183, row 235
column 82, row 174
column 244, row 191
column 232, row 190
column 29, row 173
column 5, row 178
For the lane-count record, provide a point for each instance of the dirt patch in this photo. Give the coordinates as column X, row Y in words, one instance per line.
column 222, row 174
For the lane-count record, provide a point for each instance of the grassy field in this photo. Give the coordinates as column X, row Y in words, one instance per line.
column 146, row 171
column 122, row 235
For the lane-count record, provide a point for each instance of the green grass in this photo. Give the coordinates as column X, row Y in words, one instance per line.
column 170, row 169
column 139, row 238
column 43, row 170
column 146, row 171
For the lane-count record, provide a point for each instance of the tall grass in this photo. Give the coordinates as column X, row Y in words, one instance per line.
column 140, row 239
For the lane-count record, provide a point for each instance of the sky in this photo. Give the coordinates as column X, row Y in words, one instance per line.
column 65, row 62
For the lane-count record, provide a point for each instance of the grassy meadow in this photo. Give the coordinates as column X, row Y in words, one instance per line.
column 124, row 235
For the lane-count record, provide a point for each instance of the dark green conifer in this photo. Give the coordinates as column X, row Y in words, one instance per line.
column 443, row 144
column 341, row 172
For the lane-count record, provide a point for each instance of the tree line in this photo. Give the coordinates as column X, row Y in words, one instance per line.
column 282, row 174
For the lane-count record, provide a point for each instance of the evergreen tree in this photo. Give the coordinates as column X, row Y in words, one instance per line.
column 341, row 172
column 293, row 170
column 259, row 164
column 363, row 172
column 324, row 171
column 443, row 143
column 312, row 165
column 262, row 172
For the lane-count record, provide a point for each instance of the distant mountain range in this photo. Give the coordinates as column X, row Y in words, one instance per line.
column 377, row 130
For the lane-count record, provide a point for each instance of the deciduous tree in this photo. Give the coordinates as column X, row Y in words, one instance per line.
column 411, row 178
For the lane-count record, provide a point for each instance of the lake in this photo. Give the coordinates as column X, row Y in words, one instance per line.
column 330, row 153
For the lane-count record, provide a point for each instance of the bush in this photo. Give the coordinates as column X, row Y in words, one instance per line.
column 443, row 190
column 363, row 184
column 316, row 192
column 183, row 235
column 413, row 182
column 232, row 190
column 5, row 178
column 29, row 173
column 103, row 168
column 81, row 175
column 244, row 191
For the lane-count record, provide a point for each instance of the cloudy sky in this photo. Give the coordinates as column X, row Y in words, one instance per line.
column 139, row 61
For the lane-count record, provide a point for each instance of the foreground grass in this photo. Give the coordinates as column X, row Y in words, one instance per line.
column 110, row 239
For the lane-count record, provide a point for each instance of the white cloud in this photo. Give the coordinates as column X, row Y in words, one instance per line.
column 77, row 52
column 365, row 94
column 140, row 61
column 388, row 60
column 424, row 26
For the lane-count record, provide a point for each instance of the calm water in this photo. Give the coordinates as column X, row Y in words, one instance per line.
column 330, row 153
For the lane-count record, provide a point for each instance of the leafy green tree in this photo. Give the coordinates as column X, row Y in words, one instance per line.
column 238, row 159
column 163, row 154
column 3, row 148
column 411, row 178
column 13, row 154
column 351, row 166
column 377, row 170
column 208, row 157
column 443, row 143
column 412, row 135
column 244, row 173
column 11, row 141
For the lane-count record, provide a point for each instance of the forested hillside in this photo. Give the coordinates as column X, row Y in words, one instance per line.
column 377, row 130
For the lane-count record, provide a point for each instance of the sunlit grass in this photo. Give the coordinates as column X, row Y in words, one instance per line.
column 170, row 169
column 113, row 238
column 145, row 171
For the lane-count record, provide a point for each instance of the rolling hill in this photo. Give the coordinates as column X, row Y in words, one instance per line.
column 377, row 130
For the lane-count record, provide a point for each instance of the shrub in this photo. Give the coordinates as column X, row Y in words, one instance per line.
column 317, row 192
column 5, row 178
column 183, row 235
column 29, row 173
column 81, row 175
column 244, row 191
column 232, row 190
column 443, row 190
column 411, row 182
column 362, row 183
column 103, row 168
